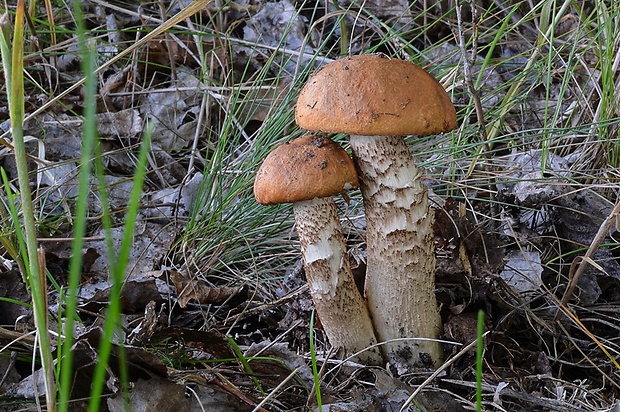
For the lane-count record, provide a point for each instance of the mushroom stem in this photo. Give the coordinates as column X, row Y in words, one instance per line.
column 400, row 274
column 339, row 305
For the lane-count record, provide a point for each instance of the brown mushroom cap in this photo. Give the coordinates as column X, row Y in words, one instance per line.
column 303, row 169
column 374, row 95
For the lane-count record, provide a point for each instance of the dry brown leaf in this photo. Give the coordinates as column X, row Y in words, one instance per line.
column 188, row 289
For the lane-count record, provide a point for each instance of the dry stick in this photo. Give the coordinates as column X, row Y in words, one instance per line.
column 9, row 368
column 573, row 277
column 16, row 337
column 587, row 358
column 549, row 404
column 275, row 390
column 467, row 63
column 475, row 93
column 439, row 370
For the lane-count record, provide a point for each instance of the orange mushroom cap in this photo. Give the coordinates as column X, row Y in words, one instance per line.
column 374, row 95
column 303, row 169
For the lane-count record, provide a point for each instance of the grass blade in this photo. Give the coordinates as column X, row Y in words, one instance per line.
column 13, row 62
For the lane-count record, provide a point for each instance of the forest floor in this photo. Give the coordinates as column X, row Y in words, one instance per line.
column 215, row 311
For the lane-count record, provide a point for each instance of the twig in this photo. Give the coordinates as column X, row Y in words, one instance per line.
column 548, row 404
column 440, row 370
column 267, row 398
column 475, row 94
column 467, row 63
column 575, row 274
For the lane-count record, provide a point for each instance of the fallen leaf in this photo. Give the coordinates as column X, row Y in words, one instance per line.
column 198, row 290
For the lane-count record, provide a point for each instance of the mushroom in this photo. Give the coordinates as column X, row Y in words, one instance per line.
column 307, row 172
column 377, row 101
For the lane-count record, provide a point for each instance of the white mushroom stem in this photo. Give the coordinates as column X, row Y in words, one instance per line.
column 339, row 305
column 400, row 274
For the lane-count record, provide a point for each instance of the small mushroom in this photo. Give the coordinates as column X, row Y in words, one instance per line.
column 307, row 172
column 377, row 101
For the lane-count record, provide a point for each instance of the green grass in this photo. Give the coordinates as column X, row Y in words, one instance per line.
column 33, row 260
column 315, row 367
column 479, row 358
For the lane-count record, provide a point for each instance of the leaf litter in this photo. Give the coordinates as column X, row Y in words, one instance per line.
column 185, row 313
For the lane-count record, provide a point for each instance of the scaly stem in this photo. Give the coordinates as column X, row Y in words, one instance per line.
column 400, row 273
column 339, row 304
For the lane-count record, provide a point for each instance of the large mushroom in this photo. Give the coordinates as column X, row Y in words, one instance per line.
column 308, row 172
column 377, row 101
